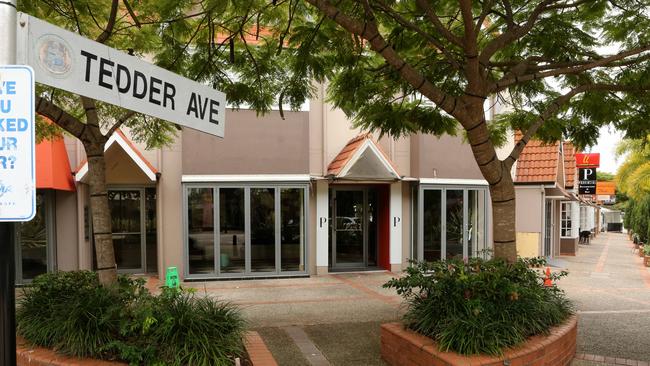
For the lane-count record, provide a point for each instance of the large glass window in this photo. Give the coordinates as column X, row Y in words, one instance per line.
column 292, row 229
column 565, row 220
column 262, row 230
column 200, row 220
column 432, row 225
column 452, row 221
column 34, row 252
column 476, row 240
column 232, row 230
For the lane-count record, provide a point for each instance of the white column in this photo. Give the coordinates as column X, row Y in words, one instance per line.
column 396, row 225
column 322, row 226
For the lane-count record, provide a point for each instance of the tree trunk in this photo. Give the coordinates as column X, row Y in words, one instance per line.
column 497, row 173
column 504, row 233
column 100, row 213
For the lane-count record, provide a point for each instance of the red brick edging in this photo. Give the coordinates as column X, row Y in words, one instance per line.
column 36, row 356
column 403, row 347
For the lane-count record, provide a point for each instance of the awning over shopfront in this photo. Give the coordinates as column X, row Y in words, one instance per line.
column 53, row 166
column 117, row 146
column 362, row 159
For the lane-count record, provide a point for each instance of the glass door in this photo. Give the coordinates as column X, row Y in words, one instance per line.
column 548, row 228
column 127, row 207
column 348, row 227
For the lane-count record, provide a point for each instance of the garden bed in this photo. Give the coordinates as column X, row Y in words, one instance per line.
column 258, row 355
column 403, row 347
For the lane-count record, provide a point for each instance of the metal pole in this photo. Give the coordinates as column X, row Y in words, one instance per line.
column 7, row 266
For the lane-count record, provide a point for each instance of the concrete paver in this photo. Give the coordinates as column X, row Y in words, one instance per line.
column 607, row 282
column 611, row 290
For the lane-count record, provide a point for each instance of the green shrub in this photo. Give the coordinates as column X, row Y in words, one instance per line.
column 479, row 307
column 71, row 313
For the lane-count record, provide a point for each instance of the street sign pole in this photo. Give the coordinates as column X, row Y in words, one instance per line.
column 7, row 257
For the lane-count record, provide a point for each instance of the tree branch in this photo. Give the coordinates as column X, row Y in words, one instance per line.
column 109, row 26
column 377, row 42
column 119, row 123
column 401, row 20
column 62, row 118
column 603, row 62
column 513, row 33
column 553, row 108
column 433, row 18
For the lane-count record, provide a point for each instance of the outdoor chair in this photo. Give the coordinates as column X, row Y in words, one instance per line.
column 585, row 237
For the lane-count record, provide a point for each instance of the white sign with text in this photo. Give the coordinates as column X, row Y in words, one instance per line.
column 68, row 61
column 17, row 144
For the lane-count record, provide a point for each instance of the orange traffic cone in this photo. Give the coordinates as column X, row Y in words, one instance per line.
column 547, row 278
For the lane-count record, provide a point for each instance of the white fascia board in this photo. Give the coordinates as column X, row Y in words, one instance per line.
column 226, row 178
column 117, row 138
column 451, row 181
column 81, row 173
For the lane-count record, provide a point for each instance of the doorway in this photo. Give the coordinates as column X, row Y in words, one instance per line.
column 356, row 217
column 133, row 223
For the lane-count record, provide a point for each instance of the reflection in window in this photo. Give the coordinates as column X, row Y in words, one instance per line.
column 262, row 229
column 200, row 213
column 476, row 220
column 33, row 241
column 292, row 229
column 432, row 225
column 454, row 224
column 232, row 232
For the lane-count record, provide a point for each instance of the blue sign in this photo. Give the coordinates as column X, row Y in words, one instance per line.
column 17, row 144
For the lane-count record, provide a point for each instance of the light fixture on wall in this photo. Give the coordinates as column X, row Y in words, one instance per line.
column 435, row 173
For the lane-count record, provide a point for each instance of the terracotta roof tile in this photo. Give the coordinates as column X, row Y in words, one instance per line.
column 348, row 151
column 538, row 163
column 569, row 164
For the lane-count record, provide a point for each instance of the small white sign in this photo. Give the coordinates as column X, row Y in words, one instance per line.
column 17, row 144
column 68, row 61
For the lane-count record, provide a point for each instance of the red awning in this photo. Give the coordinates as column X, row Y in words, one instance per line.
column 52, row 166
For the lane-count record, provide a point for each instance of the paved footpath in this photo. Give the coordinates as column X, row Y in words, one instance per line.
column 611, row 290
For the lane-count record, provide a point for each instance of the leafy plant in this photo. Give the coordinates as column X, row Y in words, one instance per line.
column 479, row 307
column 646, row 249
column 71, row 313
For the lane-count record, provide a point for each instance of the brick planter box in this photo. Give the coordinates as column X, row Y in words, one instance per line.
column 33, row 356
column 646, row 260
column 402, row 347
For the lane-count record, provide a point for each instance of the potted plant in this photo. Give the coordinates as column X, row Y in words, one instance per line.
column 642, row 249
column 646, row 258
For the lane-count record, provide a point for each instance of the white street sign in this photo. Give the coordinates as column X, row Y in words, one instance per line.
column 68, row 61
column 17, row 145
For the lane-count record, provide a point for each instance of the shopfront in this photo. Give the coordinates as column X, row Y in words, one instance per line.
column 451, row 219
column 245, row 228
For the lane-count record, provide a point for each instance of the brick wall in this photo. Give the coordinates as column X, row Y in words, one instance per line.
column 402, row 347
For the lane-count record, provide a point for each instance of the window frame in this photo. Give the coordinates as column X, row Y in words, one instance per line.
column 418, row 223
column 277, row 186
column 566, row 216
column 49, row 200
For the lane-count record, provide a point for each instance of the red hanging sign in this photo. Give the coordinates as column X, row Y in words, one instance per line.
column 588, row 160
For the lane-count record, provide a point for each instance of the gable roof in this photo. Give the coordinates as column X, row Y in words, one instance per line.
column 538, row 162
column 130, row 149
column 361, row 158
column 569, row 164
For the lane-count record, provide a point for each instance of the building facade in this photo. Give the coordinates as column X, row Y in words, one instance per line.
column 298, row 195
